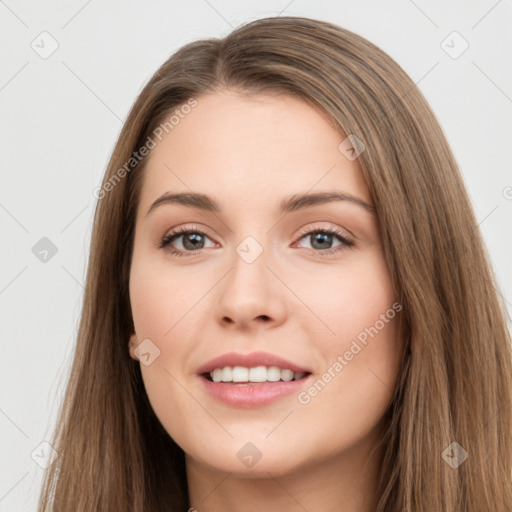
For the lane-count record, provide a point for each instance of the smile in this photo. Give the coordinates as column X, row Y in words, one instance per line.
column 255, row 379
column 255, row 374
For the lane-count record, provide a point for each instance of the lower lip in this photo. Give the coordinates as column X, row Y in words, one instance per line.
column 254, row 394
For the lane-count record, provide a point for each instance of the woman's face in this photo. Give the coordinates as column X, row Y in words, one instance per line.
column 267, row 271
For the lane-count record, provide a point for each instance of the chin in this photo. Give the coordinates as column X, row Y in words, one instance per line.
column 247, row 461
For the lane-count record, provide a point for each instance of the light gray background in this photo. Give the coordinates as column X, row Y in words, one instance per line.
column 60, row 117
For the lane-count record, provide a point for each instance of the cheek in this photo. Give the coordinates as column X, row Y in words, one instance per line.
column 362, row 355
column 160, row 302
column 351, row 298
column 158, row 296
column 348, row 400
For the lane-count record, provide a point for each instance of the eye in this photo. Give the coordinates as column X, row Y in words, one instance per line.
column 193, row 240
column 321, row 240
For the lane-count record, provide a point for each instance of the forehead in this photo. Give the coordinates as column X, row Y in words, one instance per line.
column 247, row 151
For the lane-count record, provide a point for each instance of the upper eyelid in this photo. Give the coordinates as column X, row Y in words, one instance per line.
column 187, row 229
column 310, row 229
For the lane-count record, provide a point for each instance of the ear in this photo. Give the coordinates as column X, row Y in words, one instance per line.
column 132, row 345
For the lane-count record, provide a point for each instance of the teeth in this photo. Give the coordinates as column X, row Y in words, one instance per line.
column 227, row 374
column 216, row 375
column 273, row 374
column 240, row 374
column 256, row 374
column 286, row 375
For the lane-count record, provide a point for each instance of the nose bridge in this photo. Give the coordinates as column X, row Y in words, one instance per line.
column 249, row 264
column 249, row 290
column 251, row 249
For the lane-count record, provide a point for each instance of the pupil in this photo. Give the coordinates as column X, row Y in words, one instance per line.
column 321, row 238
column 190, row 241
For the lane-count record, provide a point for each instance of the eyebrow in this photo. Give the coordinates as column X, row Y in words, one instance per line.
column 294, row 203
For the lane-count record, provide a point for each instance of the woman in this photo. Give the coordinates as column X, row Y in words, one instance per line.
column 288, row 303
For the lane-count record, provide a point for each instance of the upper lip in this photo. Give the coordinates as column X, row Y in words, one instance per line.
column 250, row 361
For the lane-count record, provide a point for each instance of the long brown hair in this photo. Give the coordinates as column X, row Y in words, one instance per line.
column 453, row 398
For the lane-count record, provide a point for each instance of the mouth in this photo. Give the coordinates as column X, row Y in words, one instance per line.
column 256, row 387
column 256, row 379
column 251, row 376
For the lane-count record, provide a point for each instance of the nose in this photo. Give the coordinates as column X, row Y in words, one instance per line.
column 250, row 295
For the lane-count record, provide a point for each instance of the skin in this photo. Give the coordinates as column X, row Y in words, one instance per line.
column 249, row 153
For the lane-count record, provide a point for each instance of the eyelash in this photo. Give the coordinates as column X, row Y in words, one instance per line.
column 176, row 233
column 345, row 242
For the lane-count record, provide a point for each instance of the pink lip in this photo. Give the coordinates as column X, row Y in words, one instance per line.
column 253, row 395
column 249, row 361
